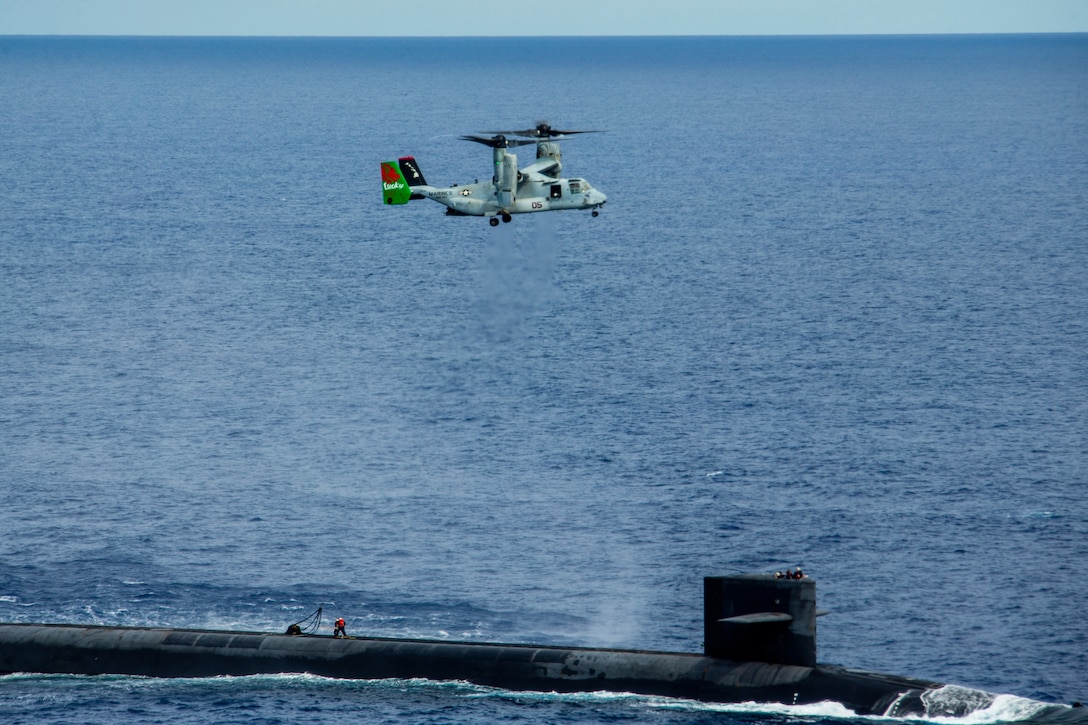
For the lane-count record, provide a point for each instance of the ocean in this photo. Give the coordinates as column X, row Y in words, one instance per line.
column 833, row 315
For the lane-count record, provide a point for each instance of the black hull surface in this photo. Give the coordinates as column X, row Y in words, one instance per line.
column 760, row 646
column 95, row 650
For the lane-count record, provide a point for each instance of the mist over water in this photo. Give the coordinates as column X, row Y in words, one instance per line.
column 831, row 316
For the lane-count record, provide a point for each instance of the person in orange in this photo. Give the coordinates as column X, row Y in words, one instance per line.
column 339, row 630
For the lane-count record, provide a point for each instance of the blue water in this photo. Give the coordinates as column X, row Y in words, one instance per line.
column 834, row 314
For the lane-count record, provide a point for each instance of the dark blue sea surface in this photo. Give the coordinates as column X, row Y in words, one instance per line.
column 834, row 314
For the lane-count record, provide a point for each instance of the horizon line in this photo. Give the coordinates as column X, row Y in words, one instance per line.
column 617, row 35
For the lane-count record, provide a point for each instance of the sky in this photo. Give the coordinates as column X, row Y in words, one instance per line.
column 542, row 17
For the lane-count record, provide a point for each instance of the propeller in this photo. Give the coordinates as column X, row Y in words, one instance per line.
column 542, row 130
column 497, row 141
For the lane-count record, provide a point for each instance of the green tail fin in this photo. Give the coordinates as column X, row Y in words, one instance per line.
column 394, row 188
column 398, row 178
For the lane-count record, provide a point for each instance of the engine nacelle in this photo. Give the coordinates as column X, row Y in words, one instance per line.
column 549, row 150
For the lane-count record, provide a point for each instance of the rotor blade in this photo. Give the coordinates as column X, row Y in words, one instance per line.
column 529, row 132
column 498, row 142
column 571, row 133
column 480, row 139
column 543, row 130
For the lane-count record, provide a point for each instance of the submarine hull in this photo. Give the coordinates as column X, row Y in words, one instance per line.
column 95, row 650
column 759, row 646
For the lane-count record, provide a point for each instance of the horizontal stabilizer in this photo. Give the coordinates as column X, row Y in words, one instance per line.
column 759, row 618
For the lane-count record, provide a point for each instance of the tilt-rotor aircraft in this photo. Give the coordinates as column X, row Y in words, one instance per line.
column 536, row 187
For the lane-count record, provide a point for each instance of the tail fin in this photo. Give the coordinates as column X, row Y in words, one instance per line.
column 397, row 179
column 409, row 169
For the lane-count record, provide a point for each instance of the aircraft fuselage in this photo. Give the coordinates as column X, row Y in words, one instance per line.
column 481, row 199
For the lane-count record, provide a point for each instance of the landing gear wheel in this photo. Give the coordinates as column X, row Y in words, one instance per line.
column 506, row 218
column 595, row 213
column 493, row 221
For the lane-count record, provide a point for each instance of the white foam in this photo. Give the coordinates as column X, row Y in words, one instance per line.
column 827, row 709
column 1001, row 708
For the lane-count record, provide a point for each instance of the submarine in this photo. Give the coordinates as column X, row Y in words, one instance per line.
column 759, row 646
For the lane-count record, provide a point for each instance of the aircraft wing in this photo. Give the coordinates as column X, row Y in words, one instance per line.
column 540, row 166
